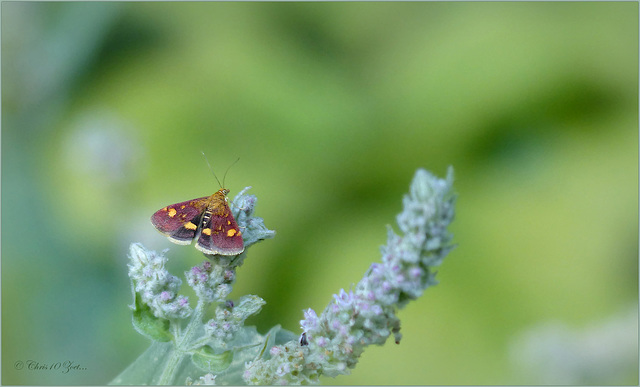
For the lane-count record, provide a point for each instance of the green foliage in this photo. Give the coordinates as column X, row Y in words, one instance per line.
column 208, row 360
column 154, row 328
column 331, row 107
column 149, row 367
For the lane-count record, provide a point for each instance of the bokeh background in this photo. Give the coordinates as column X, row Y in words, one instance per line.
column 331, row 108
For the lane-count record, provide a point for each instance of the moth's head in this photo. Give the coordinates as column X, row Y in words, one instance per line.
column 224, row 191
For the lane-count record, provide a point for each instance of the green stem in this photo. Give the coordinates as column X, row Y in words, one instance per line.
column 194, row 323
column 170, row 368
column 180, row 352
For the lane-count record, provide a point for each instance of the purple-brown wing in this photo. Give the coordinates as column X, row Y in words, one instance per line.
column 179, row 222
column 220, row 235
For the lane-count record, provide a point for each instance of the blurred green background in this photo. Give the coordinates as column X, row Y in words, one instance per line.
column 331, row 108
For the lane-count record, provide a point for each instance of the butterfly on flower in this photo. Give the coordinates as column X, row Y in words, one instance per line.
column 208, row 220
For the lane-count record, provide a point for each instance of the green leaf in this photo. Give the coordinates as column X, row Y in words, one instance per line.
column 247, row 306
column 283, row 336
column 157, row 329
column 247, row 345
column 147, row 368
column 207, row 360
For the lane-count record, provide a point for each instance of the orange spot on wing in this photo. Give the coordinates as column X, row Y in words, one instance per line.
column 206, row 231
column 231, row 232
column 190, row 226
column 172, row 212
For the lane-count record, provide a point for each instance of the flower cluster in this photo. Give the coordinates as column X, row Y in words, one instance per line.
column 287, row 366
column 253, row 228
column 205, row 380
column 155, row 285
column 212, row 283
column 230, row 318
column 332, row 342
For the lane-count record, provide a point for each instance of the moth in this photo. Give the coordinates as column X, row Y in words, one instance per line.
column 208, row 220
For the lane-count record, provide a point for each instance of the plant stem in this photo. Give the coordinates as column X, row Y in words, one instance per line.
column 182, row 344
column 194, row 323
column 170, row 369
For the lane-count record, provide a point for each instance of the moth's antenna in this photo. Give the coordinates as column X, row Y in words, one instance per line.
column 211, row 169
column 225, row 172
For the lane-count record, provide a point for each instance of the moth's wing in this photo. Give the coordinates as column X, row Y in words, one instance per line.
column 179, row 222
column 220, row 235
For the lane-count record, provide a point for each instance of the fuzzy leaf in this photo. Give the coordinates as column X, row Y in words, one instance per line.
column 156, row 329
column 147, row 368
column 207, row 360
